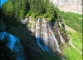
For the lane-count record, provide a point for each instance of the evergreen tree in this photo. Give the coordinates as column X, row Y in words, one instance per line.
column 19, row 8
column 16, row 9
column 9, row 8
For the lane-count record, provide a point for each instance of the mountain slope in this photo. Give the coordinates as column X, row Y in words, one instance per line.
column 69, row 5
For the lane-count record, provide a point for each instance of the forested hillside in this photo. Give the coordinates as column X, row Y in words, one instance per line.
column 22, row 8
column 44, row 18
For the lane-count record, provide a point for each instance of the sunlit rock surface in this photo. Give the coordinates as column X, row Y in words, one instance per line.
column 69, row 5
column 30, row 23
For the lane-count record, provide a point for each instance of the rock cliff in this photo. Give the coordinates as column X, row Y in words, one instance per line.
column 69, row 5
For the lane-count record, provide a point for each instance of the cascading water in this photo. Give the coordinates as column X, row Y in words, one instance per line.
column 44, row 35
column 38, row 36
column 57, row 33
column 13, row 43
column 38, row 33
column 54, row 40
column 61, row 38
column 44, row 31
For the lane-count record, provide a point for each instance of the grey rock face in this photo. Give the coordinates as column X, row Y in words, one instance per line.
column 68, row 5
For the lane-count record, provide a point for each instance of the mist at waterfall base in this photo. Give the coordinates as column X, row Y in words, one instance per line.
column 13, row 43
column 44, row 34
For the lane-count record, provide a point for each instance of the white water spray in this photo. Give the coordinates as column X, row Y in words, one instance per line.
column 44, row 31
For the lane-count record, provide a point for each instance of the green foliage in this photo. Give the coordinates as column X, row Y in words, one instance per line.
column 36, row 6
column 8, row 8
column 70, row 52
column 16, row 8
column 22, row 8
column 51, row 10
column 72, row 19
column 42, row 8
column 76, row 39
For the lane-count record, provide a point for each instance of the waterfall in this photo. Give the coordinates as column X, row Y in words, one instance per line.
column 44, row 31
column 39, row 34
column 61, row 38
column 45, row 34
column 53, row 40
column 13, row 43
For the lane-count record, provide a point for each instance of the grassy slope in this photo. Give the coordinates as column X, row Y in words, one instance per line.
column 74, row 21
column 71, row 53
column 76, row 39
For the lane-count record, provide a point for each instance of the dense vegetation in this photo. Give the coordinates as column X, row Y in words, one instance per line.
column 70, row 52
column 23, row 8
column 73, row 20
column 13, row 9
